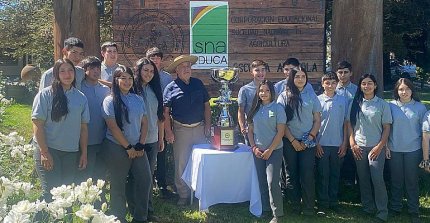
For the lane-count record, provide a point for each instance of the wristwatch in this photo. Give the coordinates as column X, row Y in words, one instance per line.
column 129, row 147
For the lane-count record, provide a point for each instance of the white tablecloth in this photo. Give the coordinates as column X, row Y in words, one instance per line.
column 223, row 177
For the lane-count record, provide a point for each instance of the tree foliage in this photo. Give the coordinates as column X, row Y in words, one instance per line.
column 407, row 29
column 26, row 28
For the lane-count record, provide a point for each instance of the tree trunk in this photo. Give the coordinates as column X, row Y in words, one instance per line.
column 357, row 37
column 76, row 18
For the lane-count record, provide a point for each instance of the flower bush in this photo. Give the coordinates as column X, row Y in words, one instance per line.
column 66, row 198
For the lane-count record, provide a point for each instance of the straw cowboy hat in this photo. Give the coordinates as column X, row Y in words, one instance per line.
column 30, row 72
column 180, row 59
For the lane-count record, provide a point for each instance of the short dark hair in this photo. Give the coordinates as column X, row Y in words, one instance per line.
column 291, row 61
column 329, row 76
column 108, row 44
column 90, row 61
column 344, row 64
column 257, row 63
column 73, row 42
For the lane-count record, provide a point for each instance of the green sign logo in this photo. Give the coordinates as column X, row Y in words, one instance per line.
column 209, row 33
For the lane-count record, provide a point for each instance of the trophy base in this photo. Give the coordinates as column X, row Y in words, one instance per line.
column 223, row 138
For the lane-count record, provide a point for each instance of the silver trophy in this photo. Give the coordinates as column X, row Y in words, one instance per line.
column 223, row 131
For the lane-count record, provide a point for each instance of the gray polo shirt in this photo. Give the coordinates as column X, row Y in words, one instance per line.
column 63, row 135
column 136, row 111
column 310, row 105
column 347, row 91
column 333, row 116
column 406, row 131
column 368, row 129
column 97, row 126
column 107, row 72
column 151, row 106
column 165, row 79
column 246, row 95
column 48, row 77
column 265, row 122
column 281, row 85
column 426, row 122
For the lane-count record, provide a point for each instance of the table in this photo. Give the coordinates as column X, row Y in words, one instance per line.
column 223, row 177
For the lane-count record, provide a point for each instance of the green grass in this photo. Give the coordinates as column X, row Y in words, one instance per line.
column 17, row 118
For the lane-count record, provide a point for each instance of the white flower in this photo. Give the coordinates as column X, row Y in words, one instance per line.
column 104, row 207
column 100, row 184
column 40, row 205
column 25, row 187
column 62, row 192
column 86, row 212
column 24, row 207
column 56, row 210
column 16, row 217
column 87, row 193
column 100, row 217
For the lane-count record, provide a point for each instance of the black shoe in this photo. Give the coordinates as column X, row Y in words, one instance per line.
column 166, row 194
column 394, row 213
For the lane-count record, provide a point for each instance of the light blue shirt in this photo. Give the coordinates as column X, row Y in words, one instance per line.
column 281, row 85
column 347, row 91
column 246, row 96
column 333, row 116
column 107, row 72
column 406, row 131
column 63, row 135
column 265, row 121
column 97, row 126
column 368, row 129
column 165, row 79
column 136, row 111
column 311, row 104
column 151, row 107
column 48, row 77
column 426, row 122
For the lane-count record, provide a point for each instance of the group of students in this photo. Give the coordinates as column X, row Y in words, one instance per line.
column 102, row 117
column 87, row 129
column 287, row 122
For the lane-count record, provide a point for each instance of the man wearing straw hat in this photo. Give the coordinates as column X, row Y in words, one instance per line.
column 188, row 117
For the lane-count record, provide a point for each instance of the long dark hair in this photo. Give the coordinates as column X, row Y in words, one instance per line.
column 154, row 84
column 294, row 102
column 119, row 106
column 358, row 99
column 256, row 102
column 410, row 85
column 59, row 100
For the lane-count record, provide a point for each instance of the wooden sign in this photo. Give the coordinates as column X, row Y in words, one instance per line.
column 270, row 30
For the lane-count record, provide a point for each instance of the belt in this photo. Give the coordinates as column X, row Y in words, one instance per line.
column 188, row 125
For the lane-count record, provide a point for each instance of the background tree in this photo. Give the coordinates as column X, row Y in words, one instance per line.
column 26, row 28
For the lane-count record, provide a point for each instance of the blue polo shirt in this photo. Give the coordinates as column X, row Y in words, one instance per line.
column 310, row 105
column 265, row 122
column 280, row 87
column 406, row 131
column 368, row 129
column 151, row 107
column 333, row 116
column 48, row 77
column 63, row 135
column 97, row 126
column 246, row 95
column 165, row 79
column 136, row 111
column 107, row 72
column 186, row 101
column 347, row 91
